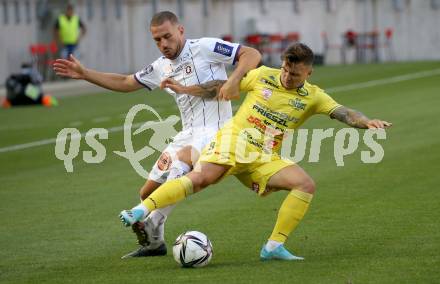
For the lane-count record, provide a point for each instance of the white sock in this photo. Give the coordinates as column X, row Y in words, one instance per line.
column 143, row 208
column 178, row 169
column 156, row 229
column 157, row 219
column 166, row 210
column 271, row 245
column 159, row 216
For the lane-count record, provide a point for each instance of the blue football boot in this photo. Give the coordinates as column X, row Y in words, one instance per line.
column 130, row 217
column 280, row 253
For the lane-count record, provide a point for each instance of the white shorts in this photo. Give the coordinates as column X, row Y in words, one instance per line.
column 198, row 138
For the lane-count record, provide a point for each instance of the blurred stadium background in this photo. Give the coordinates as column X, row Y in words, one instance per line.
column 337, row 30
column 369, row 223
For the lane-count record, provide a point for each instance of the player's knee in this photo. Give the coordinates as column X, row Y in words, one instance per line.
column 207, row 180
column 187, row 155
column 199, row 180
column 308, row 185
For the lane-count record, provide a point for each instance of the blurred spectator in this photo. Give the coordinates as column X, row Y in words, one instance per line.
column 68, row 31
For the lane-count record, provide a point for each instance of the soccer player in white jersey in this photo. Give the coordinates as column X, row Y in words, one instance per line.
column 190, row 62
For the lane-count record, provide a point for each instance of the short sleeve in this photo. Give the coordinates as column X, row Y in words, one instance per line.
column 324, row 103
column 149, row 77
column 219, row 51
column 249, row 80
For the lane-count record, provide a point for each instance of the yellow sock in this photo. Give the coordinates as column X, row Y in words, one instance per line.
column 169, row 193
column 290, row 214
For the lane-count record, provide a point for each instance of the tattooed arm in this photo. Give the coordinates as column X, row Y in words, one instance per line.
column 356, row 119
column 208, row 90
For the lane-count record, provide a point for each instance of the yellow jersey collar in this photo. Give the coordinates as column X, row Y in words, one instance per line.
column 301, row 90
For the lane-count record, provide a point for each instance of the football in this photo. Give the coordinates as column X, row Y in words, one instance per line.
column 192, row 249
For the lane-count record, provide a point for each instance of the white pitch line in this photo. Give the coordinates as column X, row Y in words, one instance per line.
column 385, row 81
column 350, row 87
column 75, row 123
column 54, row 140
column 101, row 119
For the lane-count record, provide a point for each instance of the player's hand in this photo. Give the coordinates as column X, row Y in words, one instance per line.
column 378, row 124
column 229, row 91
column 173, row 85
column 71, row 68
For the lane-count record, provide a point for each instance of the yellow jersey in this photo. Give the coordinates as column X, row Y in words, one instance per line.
column 269, row 110
column 250, row 142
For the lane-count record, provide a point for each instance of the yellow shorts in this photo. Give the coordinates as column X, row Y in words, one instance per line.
column 253, row 173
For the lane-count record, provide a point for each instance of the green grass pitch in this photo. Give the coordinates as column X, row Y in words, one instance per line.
column 368, row 223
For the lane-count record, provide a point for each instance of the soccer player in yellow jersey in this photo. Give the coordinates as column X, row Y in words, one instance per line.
column 248, row 146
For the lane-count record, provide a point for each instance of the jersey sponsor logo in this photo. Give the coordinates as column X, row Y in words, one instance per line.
column 223, row 49
column 267, row 82
column 185, row 67
column 278, row 117
column 297, row 104
column 267, row 93
column 250, row 139
column 282, row 115
column 265, row 145
column 183, row 102
column 265, row 126
column 178, row 69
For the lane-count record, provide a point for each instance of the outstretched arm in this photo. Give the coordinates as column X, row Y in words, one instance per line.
column 72, row 68
column 356, row 119
column 248, row 59
column 208, row 90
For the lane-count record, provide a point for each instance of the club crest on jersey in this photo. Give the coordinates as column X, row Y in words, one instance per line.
column 267, row 93
column 297, row 104
column 302, row 92
column 223, row 49
column 188, row 69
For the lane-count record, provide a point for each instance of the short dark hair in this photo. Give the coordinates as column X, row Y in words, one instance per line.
column 298, row 53
column 161, row 17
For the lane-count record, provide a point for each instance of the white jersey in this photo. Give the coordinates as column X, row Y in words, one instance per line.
column 200, row 61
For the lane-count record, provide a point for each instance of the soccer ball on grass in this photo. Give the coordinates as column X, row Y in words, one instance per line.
column 192, row 249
